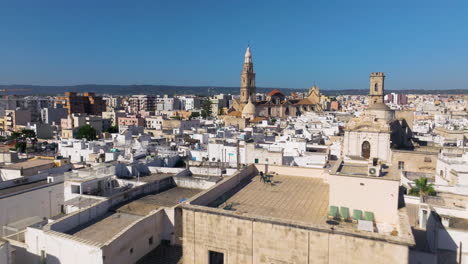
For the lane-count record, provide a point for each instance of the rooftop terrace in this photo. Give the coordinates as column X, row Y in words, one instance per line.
column 298, row 200
column 289, row 198
column 104, row 228
column 23, row 187
column 153, row 177
column 360, row 169
column 148, row 203
column 31, row 163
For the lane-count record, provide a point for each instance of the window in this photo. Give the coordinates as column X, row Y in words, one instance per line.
column 365, row 149
column 150, row 241
column 376, row 87
column 401, row 165
column 131, row 251
column 256, row 160
column 215, row 257
column 75, row 188
column 427, row 159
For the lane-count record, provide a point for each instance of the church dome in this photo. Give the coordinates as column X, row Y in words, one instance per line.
column 249, row 108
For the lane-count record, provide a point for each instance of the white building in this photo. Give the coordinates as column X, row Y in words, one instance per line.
column 452, row 171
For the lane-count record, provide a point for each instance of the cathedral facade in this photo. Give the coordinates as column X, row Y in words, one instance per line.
column 276, row 103
column 373, row 134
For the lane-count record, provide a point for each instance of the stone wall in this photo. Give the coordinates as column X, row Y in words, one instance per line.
column 379, row 144
column 371, row 194
column 60, row 248
column 225, row 185
column 134, row 241
column 294, row 171
column 415, row 161
column 244, row 240
column 43, row 201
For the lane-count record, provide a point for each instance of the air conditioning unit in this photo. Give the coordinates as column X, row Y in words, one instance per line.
column 374, row 170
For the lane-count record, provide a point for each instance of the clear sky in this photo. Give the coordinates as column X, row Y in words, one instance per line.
column 418, row 44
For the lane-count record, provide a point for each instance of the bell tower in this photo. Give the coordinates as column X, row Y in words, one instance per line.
column 247, row 88
column 376, row 90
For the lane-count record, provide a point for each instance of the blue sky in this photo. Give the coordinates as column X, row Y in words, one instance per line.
column 336, row 44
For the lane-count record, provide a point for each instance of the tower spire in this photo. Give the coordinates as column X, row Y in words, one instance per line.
column 248, row 55
column 376, row 89
column 247, row 88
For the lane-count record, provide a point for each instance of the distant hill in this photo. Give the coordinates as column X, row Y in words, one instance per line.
column 198, row 90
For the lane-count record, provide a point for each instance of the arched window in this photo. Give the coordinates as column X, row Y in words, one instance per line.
column 441, row 173
column 287, row 111
column 376, row 87
column 365, row 149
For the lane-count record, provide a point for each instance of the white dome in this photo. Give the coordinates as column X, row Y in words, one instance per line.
column 249, row 108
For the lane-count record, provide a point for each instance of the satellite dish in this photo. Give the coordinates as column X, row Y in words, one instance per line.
column 372, row 171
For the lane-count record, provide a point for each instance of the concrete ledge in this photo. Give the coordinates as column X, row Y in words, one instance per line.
column 405, row 240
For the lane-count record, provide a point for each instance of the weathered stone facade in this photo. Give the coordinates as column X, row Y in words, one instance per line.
column 376, row 91
column 376, row 131
column 247, row 89
column 253, row 240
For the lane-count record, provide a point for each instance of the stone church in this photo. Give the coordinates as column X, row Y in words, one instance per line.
column 377, row 131
column 276, row 103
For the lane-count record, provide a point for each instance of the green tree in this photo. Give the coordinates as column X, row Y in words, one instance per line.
column 28, row 133
column 207, row 111
column 422, row 188
column 194, row 115
column 113, row 129
column 88, row 132
column 20, row 146
column 15, row 135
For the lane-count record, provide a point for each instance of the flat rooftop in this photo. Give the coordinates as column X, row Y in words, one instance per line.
column 289, row 197
column 148, row 203
column 358, row 169
column 23, row 187
column 448, row 200
column 104, row 228
column 153, row 177
column 458, row 223
column 81, row 201
column 29, row 164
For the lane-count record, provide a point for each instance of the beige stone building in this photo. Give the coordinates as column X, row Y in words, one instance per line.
column 245, row 220
column 373, row 134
